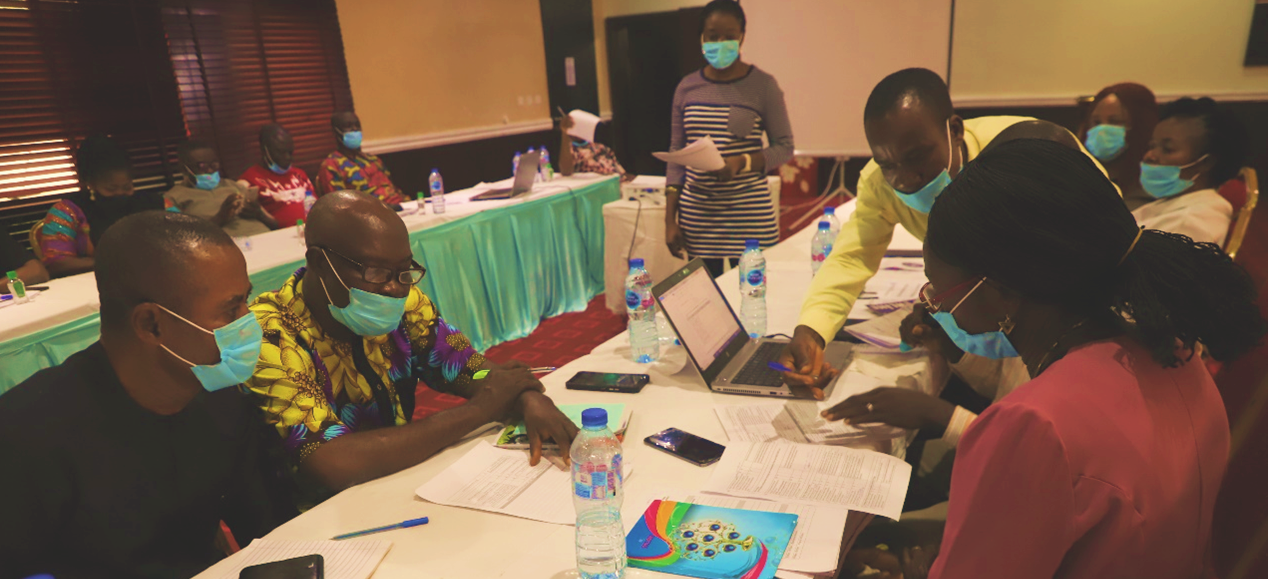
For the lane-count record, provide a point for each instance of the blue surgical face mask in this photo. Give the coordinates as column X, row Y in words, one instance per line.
column 721, row 54
column 994, row 345
column 205, row 182
column 367, row 314
column 239, row 343
column 1106, row 142
column 274, row 167
column 352, row 140
column 1162, row 181
column 923, row 199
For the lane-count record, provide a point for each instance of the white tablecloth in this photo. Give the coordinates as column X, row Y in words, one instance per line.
column 462, row 543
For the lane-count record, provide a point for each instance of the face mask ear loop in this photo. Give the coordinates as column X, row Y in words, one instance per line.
column 950, row 150
column 181, row 318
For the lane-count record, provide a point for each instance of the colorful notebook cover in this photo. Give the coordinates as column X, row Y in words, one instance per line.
column 709, row 542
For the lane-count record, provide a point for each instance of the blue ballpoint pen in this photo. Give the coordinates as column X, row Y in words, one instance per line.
column 776, row 366
column 404, row 525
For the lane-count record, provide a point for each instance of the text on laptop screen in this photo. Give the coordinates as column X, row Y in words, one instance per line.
column 704, row 322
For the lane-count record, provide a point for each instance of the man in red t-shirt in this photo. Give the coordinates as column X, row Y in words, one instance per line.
column 283, row 186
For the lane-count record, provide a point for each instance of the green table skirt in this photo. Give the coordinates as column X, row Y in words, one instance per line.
column 494, row 275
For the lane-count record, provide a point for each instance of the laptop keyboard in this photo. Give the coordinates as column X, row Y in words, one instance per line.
column 756, row 371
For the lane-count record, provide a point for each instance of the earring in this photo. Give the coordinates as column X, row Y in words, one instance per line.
column 92, row 194
column 1006, row 326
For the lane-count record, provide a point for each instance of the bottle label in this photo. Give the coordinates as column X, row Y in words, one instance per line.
column 756, row 276
column 632, row 299
column 436, row 187
column 591, row 481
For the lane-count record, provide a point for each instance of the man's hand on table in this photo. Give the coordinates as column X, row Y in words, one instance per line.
column 919, row 329
column 904, row 407
column 510, row 391
column 804, row 355
column 544, row 421
column 498, row 393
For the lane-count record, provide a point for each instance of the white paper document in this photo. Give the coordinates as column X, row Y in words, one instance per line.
column 340, row 559
column 799, row 421
column 881, row 331
column 497, row 480
column 815, row 544
column 702, row 155
column 860, row 480
column 583, row 125
column 896, row 284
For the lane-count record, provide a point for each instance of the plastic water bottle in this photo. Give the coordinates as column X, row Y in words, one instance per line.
column 309, row 200
column 753, row 289
column 422, row 203
column 437, row 185
column 821, row 246
column 597, row 497
column 644, row 344
column 515, row 164
column 18, row 289
column 830, row 215
column 544, row 167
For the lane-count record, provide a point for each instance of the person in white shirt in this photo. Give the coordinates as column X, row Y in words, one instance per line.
column 1196, row 147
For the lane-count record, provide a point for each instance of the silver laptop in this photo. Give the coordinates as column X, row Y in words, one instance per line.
column 728, row 359
column 524, row 176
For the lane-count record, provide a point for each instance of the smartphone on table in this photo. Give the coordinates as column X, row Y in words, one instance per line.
column 608, row 382
column 687, row 446
column 307, row 567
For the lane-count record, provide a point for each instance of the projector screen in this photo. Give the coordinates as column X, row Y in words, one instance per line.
column 828, row 54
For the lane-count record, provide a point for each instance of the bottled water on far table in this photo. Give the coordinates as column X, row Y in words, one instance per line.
column 753, row 289
column 546, row 170
column 644, row 344
column 830, row 215
column 597, row 497
column 515, row 164
column 309, row 200
column 436, row 184
column 821, row 246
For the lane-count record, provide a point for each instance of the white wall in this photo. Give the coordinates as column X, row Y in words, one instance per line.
column 1052, row 51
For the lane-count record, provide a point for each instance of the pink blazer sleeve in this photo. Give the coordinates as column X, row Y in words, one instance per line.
column 1012, row 504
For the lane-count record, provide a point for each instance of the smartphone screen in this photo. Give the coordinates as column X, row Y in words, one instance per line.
column 687, row 446
column 611, row 382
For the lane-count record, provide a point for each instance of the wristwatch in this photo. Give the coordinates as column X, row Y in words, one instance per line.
column 748, row 163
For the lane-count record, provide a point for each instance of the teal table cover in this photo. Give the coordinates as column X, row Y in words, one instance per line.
column 494, row 275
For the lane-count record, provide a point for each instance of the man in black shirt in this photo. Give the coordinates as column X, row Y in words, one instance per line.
column 14, row 257
column 122, row 461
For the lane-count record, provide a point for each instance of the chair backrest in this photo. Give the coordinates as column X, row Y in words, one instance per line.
column 1243, row 194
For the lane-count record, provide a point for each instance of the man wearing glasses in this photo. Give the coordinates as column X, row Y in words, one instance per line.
column 202, row 193
column 347, row 339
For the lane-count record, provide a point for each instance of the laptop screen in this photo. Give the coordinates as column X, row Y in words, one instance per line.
column 702, row 317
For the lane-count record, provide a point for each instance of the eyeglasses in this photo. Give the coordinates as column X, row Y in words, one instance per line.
column 933, row 303
column 375, row 274
column 203, row 168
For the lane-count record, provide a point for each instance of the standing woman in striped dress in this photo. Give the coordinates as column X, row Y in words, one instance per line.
column 710, row 214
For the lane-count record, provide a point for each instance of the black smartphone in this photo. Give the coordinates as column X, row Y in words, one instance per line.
column 609, row 382
column 687, row 446
column 306, row 567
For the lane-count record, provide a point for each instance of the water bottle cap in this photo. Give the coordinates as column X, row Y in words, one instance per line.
column 435, row 171
column 751, row 244
column 829, row 210
column 636, row 262
column 299, row 222
column 825, row 225
column 594, row 418
column 14, row 274
column 531, row 149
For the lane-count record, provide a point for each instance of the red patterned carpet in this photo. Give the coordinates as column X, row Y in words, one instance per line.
column 555, row 342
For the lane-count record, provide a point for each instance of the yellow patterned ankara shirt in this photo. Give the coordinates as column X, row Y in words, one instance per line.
column 309, row 386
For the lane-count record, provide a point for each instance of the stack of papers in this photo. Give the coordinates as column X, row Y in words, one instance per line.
column 896, row 284
column 515, row 436
column 340, row 559
column 500, row 481
column 702, row 155
column 882, row 331
column 859, row 480
column 799, row 421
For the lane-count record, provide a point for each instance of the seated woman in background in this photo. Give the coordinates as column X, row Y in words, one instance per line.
column 1108, row 462
column 65, row 238
column 580, row 156
column 1117, row 132
column 1199, row 139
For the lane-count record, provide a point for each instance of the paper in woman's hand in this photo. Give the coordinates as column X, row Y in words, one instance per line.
column 583, row 125
column 701, row 155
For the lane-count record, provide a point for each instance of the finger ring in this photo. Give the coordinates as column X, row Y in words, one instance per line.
column 869, row 407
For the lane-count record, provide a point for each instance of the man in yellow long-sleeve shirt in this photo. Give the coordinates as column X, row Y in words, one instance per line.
column 918, row 145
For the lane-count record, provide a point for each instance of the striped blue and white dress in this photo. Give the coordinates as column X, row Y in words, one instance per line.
column 717, row 217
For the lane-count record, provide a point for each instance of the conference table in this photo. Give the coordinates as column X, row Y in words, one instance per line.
column 464, row 543
column 496, row 268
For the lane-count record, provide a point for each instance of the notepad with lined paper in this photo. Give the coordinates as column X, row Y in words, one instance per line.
column 343, row 559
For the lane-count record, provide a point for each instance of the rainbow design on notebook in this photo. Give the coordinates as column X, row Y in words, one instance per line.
column 709, row 542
